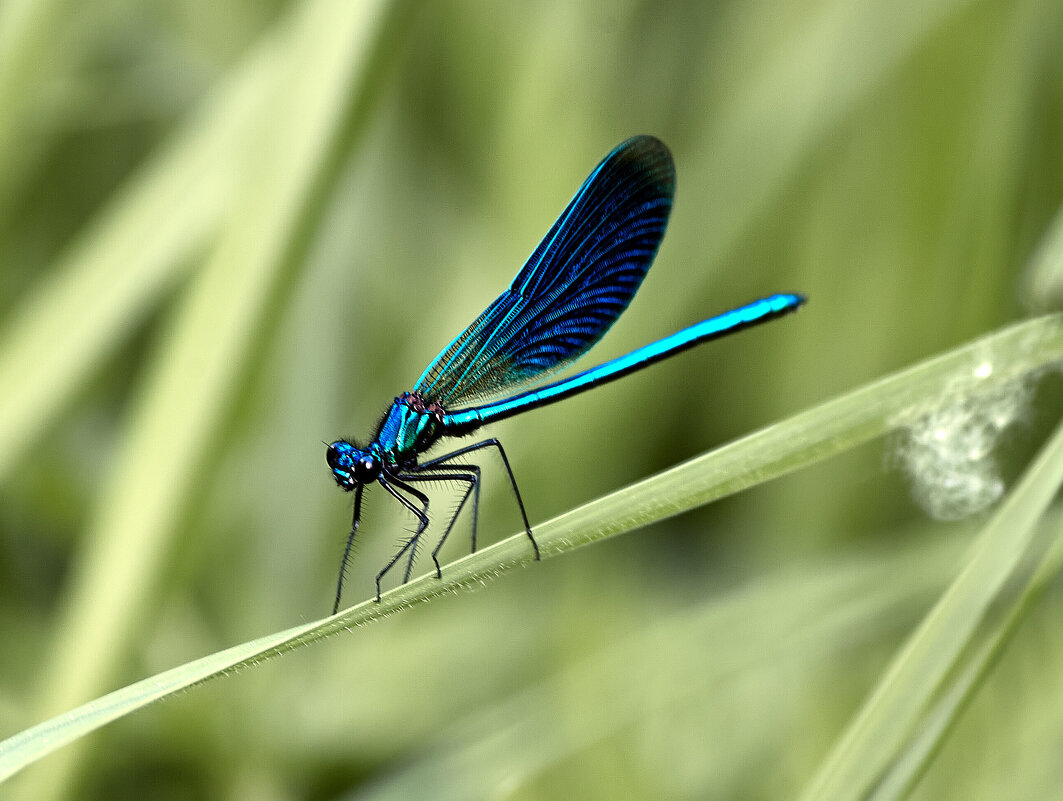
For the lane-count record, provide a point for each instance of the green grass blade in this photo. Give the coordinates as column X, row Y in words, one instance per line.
column 831, row 428
column 878, row 733
column 779, row 624
column 791, row 594
column 32, row 744
column 958, row 693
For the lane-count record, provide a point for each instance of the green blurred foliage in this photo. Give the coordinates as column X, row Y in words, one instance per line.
column 897, row 162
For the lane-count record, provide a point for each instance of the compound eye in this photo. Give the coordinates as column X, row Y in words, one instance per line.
column 341, row 459
column 338, row 456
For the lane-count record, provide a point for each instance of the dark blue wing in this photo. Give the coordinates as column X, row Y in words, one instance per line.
column 576, row 283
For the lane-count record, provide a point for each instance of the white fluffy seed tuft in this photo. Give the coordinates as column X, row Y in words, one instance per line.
column 948, row 452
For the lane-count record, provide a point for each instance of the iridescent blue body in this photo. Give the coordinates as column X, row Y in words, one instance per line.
column 573, row 287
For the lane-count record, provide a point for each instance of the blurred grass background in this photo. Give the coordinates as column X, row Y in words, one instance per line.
column 230, row 232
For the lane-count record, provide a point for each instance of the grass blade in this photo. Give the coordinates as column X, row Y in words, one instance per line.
column 955, row 697
column 881, row 728
column 803, row 439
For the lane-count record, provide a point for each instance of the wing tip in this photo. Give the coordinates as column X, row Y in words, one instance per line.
column 653, row 158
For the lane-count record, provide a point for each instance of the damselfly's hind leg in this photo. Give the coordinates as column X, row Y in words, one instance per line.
column 467, row 473
column 487, row 443
column 443, row 468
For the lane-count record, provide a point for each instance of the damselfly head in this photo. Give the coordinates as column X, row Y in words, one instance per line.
column 351, row 465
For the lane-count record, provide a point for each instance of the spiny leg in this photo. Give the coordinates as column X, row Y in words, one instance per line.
column 473, row 483
column 396, row 479
column 492, row 443
column 474, row 470
column 420, row 514
column 350, row 542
